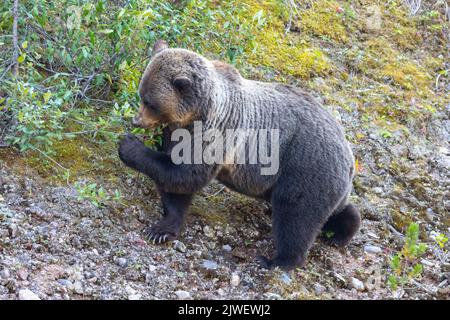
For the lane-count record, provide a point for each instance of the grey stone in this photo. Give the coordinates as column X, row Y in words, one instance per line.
column 27, row 294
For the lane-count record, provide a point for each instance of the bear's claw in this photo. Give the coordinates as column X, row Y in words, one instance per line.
column 157, row 235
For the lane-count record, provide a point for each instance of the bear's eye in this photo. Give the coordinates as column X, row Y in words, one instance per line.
column 148, row 104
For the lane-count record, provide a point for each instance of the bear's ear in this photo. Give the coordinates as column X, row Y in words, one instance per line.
column 159, row 46
column 182, row 83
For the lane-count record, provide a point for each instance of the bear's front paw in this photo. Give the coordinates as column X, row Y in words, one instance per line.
column 162, row 232
column 130, row 150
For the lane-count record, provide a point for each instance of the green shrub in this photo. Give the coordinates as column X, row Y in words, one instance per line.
column 405, row 265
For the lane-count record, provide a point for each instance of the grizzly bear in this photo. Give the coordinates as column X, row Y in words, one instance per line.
column 309, row 192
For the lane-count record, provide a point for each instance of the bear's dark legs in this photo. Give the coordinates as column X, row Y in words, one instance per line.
column 342, row 226
column 295, row 225
column 175, row 208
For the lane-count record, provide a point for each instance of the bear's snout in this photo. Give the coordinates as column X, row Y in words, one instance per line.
column 136, row 121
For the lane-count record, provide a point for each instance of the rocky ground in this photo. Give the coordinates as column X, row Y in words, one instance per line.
column 55, row 246
column 381, row 71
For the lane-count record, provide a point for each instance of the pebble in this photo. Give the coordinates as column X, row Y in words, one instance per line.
column 372, row 249
column 357, row 284
column 272, row 296
column 12, row 229
column 22, row 274
column 209, row 265
column 26, row 294
column 197, row 253
column 377, row 190
column 285, row 278
column 319, row 289
column 135, row 296
column 182, row 295
column 5, row 274
column 179, row 246
column 78, row 287
column 235, row 280
column 227, row 248
column 208, row 231
column 429, row 214
column 122, row 262
column 65, row 283
column 445, row 266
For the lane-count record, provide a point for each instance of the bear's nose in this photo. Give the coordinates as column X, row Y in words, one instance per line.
column 136, row 122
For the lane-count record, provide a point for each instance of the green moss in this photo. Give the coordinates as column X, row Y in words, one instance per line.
column 401, row 27
column 325, row 19
column 289, row 55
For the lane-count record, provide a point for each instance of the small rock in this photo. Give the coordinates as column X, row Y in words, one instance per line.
column 220, row 292
column 26, row 294
column 182, row 295
column 427, row 263
column 372, row 249
column 65, row 283
column 78, row 287
column 319, row 289
column 209, row 265
column 227, row 248
column 135, row 296
column 211, row 245
column 122, row 262
column 13, row 230
column 272, row 296
column 235, row 280
column 429, row 214
column 377, row 190
column 22, row 274
column 130, row 290
column 445, row 267
column 208, row 232
column 179, row 246
column 5, row 274
column 357, row 284
column 197, row 253
column 285, row 278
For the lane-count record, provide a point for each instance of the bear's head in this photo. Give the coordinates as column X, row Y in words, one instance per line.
column 172, row 87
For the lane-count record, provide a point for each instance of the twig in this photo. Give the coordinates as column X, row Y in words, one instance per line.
column 216, row 193
column 6, row 70
column 15, row 38
column 292, row 9
column 398, row 234
column 49, row 158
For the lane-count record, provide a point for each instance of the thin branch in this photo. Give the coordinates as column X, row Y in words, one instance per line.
column 15, row 38
column 216, row 193
column 49, row 158
column 398, row 234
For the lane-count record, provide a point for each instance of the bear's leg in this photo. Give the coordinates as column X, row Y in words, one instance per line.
column 342, row 226
column 296, row 222
column 175, row 208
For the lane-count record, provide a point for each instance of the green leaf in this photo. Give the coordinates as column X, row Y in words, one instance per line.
column 47, row 96
column 20, row 116
column 21, row 58
column 106, row 31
